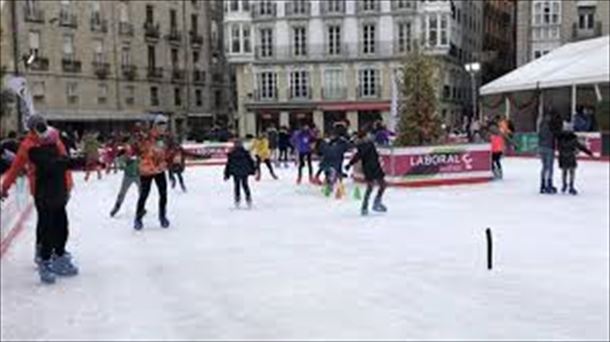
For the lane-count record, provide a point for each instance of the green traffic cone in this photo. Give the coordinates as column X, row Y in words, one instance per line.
column 327, row 190
column 357, row 194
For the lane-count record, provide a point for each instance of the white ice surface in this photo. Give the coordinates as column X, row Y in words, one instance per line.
column 302, row 266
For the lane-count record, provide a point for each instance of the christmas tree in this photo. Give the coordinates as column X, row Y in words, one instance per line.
column 419, row 124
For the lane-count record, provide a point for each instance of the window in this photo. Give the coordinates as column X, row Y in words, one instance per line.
column 368, row 5
column 196, row 55
column 38, row 91
column 368, row 38
column 150, row 14
column 586, row 18
column 334, row 39
column 68, row 46
column 267, row 85
column 266, row 35
column 299, row 84
column 546, row 12
column 194, row 23
column 234, row 5
column 334, row 84
column 98, row 50
column 443, row 30
column 198, row 98
column 245, row 5
column 102, row 93
column 334, row 6
column 404, row 37
column 34, row 39
column 402, row 4
column 172, row 19
column 246, row 36
column 72, row 92
column 154, row 96
column 152, row 61
column 217, row 98
column 299, row 6
column 368, row 80
column 95, row 7
column 299, row 41
column 433, row 30
column 177, row 97
column 130, row 95
column 267, row 7
column 235, row 46
column 174, row 58
column 123, row 12
column 126, row 55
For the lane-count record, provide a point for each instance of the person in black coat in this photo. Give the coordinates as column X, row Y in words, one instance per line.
column 366, row 152
column 283, row 138
column 240, row 165
column 568, row 146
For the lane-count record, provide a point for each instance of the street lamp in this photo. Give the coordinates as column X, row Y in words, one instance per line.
column 473, row 69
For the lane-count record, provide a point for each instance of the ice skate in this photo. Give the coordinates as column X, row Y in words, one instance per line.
column 37, row 258
column 249, row 203
column 63, row 266
column 114, row 211
column 551, row 189
column 164, row 222
column 298, row 180
column 573, row 191
column 379, row 207
column 45, row 272
column 137, row 225
column 364, row 211
column 564, row 188
column 237, row 204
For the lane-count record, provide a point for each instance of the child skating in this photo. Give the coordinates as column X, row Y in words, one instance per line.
column 128, row 161
column 569, row 146
column 177, row 164
column 240, row 166
column 262, row 153
column 91, row 147
column 366, row 152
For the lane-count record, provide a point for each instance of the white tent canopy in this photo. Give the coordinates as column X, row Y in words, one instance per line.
column 580, row 63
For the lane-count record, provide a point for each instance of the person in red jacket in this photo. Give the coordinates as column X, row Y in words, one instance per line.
column 44, row 157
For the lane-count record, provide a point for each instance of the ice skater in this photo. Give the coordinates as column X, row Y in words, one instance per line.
column 152, row 151
column 44, row 157
column 366, row 152
column 177, row 164
column 497, row 149
column 569, row 146
column 283, row 145
column 129, row 162
column 549, row 128
column 302, row 141
column 240, row 166
column 262, row 153
column 91, row 147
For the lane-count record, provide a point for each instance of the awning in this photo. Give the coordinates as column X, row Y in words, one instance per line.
column 199, row 115
column 581, row 63
column 84, row 115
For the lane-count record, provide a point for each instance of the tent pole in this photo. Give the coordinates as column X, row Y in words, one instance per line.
column 573, row 108
column 507, row 107
column 540, row 108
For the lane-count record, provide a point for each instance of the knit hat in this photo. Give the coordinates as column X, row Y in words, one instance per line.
column 160, row 120
column 37, row 123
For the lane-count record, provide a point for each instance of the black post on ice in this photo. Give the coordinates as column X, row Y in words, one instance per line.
column 489, row 248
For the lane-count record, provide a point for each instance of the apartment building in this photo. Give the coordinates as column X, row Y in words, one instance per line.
column 544, row 25
column 104, row 64
column 499, row 38
column 316, row 62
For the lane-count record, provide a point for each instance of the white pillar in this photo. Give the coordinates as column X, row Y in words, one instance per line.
column 352, row 117
column 318, row 120
column 540, row 109
column 507, row 107
column 573, row 107
column 251, row 123
column 284, row 119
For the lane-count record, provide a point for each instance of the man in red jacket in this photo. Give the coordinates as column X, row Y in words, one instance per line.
column 44, row 157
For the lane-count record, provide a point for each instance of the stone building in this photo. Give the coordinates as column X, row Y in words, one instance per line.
column 499, row 38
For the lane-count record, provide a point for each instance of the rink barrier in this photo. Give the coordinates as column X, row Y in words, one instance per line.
column 15, row 212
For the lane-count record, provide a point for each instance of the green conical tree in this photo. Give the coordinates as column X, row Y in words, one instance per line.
column 418, row 124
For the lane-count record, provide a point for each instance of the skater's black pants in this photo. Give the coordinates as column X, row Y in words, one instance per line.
column 51, row 230
column 267, row 162
column 495, row 161
column 145, row 183
column 303, row 156
column 238, row 184
column 283, row 154
column 176, row 174
column 567, row 176
column 369, row 189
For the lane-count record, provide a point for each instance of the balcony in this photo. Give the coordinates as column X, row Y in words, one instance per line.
column 264, row 10
column 268, row 95
column 586, row 33
column 368, row 6
column 33, row 15
column 196, row 38
column 129, row 71
column 404, row 5
column 69, row 64
column 301, row 93
column 126, row 29
column 40, row 64
column 330, row 8
column 174, row 36
column 371, row 92
column 151, row 31
column 334, row 93
column 101, row 69
column 68, row 20
column 98, row 24
column 154, row 73
column 297, row 8
column 72, row 99
column 199, row 77
column 178, row 75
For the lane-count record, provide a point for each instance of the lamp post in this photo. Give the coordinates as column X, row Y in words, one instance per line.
column 473, row 69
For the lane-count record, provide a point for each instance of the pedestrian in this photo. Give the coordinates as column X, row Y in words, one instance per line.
column 44, row 157
column 366, row 153
column 569, row 146
column 128, row 161
column 546, row 148
column 262, row 153
column 152, row 151
column 240, row 166
column 284, row 145
column 302, row 141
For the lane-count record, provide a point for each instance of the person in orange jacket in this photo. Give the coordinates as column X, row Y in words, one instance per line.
column 498, row 145
column 44, row 157
column 152, row 150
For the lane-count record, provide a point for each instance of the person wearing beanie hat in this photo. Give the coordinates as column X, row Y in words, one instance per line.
column 44, row 157
column 240, row 166
column 152, row 152
column 568, row 147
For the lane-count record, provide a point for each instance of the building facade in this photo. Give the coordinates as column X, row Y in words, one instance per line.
column 499, row 38
column 103, row 64
column 544, row 25
column 317, row 62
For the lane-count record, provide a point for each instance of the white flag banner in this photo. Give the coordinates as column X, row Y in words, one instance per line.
column 393, row 106
column 20, row 87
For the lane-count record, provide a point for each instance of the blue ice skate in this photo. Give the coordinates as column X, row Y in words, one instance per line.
column 364, row 211
column 164, row 222
column 45, row 272
column 573, row 191
column 137, row 224
column 63, row 266
column 378, row 206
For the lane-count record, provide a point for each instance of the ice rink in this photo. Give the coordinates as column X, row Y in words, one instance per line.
column 303, row 266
